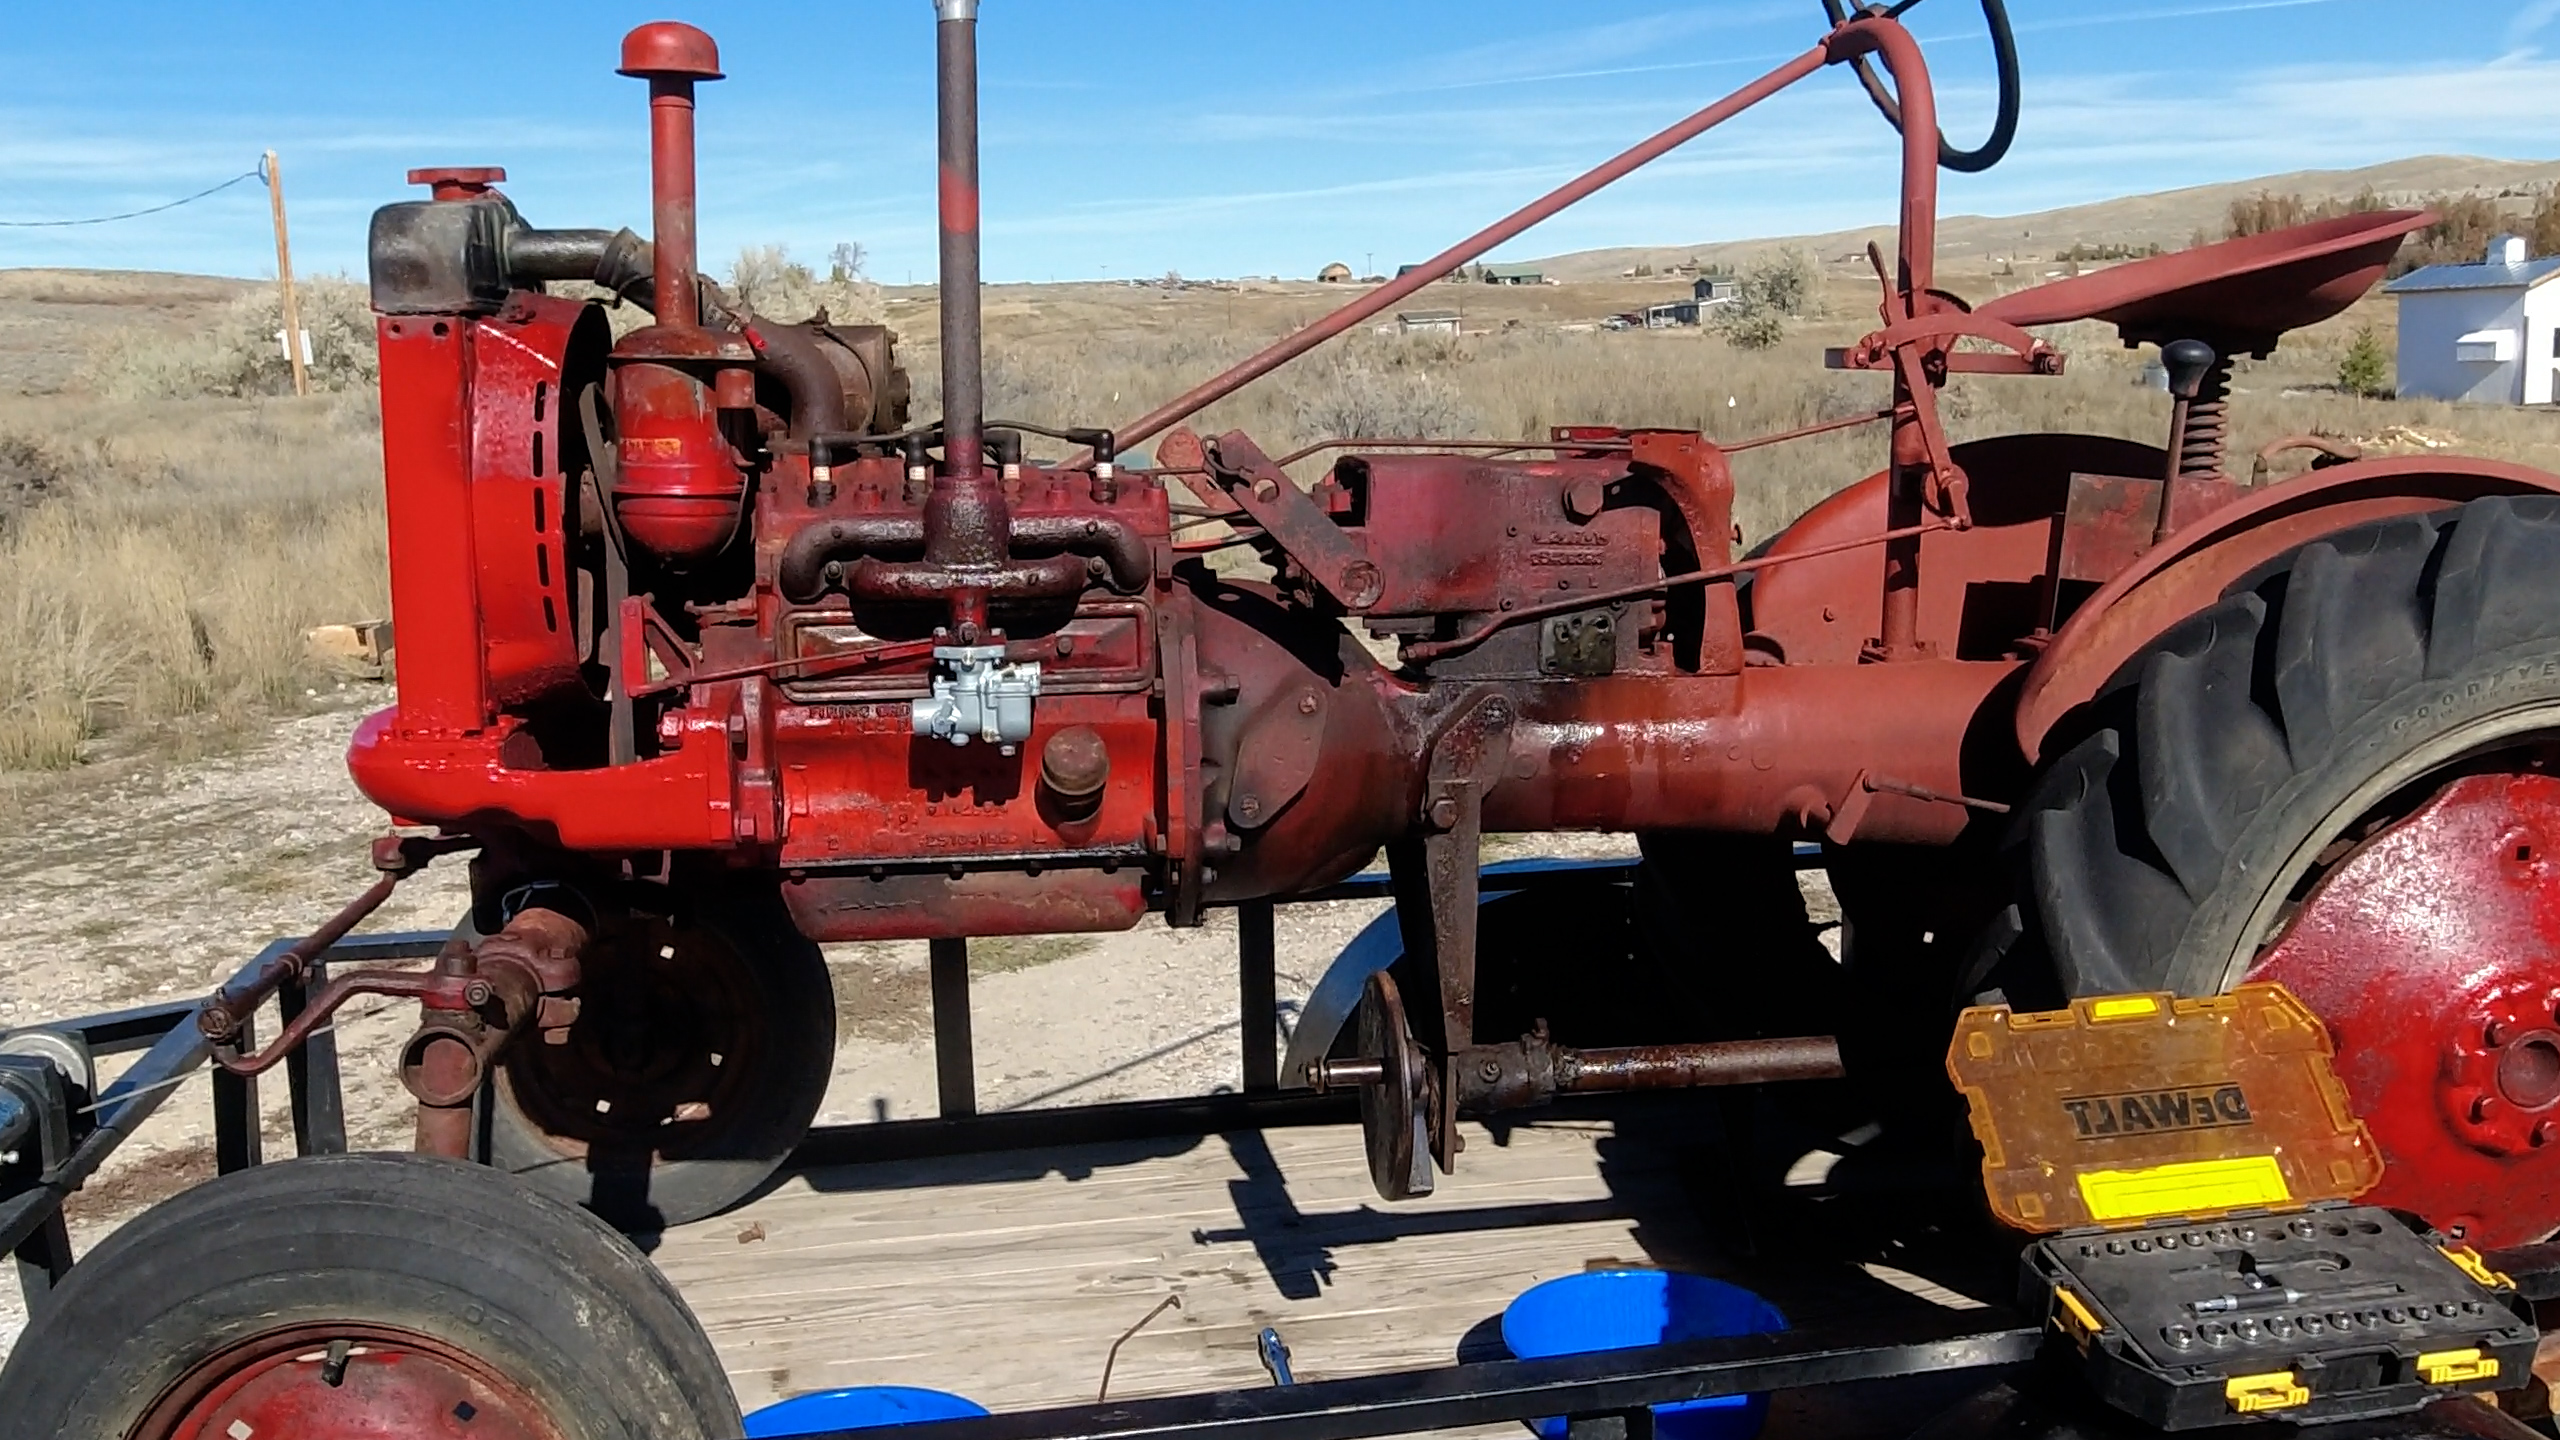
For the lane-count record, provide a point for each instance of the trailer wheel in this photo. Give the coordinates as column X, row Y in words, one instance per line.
column 364, row 1295
column 2341, row 777
column 699, row 1056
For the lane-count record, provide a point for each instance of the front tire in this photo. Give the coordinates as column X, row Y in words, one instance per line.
column 365, row 1295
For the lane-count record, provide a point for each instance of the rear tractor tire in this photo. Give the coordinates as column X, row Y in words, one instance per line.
column 700, row 1054
column 365, row 1295
column 2341, row 778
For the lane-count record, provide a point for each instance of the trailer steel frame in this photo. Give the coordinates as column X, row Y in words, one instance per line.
column 1606, row 1396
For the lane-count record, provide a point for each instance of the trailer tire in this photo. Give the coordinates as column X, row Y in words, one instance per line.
column 2196, row 814
column 218, row 1309
column 774, row 1004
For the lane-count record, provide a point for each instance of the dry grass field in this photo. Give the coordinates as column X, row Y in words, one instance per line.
column 167, row 533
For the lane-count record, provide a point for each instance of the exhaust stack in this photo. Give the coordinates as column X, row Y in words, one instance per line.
column 966, row 524
column 956, row 107
column 672, row 56
column 677, row 488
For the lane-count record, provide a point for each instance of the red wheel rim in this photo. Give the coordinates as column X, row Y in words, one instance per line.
column 2433, row 952
column 345, row 1382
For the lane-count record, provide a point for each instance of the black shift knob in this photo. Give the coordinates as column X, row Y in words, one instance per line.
column 2187, row 361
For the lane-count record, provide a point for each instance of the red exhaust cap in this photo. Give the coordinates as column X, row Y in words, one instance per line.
column 669, row 49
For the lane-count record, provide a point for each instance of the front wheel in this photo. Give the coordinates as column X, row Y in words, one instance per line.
column 365, row 1295
column 2340, row 778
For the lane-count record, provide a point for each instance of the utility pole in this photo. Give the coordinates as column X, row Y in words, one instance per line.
column 284, row 277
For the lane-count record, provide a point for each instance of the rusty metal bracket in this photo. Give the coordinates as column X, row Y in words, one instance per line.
column 226, row 1012
column 1185, row 788
column 1946, row 485
column 1851, row 812
column 2109, row 521
column 2327, row 450
column 1467, row 757
column 1934, row 335
column 645, row 634
column 1330, row 555
column 1277, row 757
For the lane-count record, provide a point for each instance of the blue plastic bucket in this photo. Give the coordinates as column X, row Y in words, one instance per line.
column 1629, row 1309
column 858, row 1408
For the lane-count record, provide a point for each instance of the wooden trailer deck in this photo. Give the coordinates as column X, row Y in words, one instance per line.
column 1006, row 1277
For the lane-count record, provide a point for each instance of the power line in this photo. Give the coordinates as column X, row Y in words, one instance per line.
column 257, row 174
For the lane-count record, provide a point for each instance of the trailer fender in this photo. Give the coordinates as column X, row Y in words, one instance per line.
column 1335, row 997
column 2193, row 569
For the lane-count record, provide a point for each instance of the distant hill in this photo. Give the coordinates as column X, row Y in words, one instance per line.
column 2167, row 218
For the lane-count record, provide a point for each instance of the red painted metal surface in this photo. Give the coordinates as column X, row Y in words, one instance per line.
column 671, row 56
column 525, row 361
column 347, row 1382
column 685, row 798
column 1985, row 590
column 2252, row 289
column 428, row 498
column 678, row 489
column 2433, row 952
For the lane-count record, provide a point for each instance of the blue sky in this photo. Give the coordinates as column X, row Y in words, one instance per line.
column 1132, row 137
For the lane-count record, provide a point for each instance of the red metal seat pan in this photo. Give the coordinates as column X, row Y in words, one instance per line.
column 2243, row 293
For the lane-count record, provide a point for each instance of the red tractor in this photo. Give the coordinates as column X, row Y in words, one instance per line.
column 714, row 654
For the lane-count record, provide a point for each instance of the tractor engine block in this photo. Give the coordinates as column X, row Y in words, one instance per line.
column 703, row 598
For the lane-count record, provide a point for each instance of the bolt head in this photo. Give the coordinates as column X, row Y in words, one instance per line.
column 1444, row 813
column 1307, row 703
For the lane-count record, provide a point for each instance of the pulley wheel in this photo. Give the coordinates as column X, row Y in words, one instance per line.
column 1395, row 1113
column 700, row 1054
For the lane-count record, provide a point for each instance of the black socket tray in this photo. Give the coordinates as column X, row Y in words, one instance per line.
column 2338, row 1312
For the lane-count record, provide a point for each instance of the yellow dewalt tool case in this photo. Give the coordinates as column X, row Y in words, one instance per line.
column 2190, row 1166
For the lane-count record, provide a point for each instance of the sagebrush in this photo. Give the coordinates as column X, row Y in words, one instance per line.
column 241, row 353
column 780, row 288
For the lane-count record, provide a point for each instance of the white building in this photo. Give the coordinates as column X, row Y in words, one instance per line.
column 2486, row 332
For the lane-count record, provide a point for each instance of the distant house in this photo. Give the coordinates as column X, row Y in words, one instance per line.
column 2487, row 332
column 1511, row 275
column 1428, row 322
column 1670, row 313
column 1336, row 273
column 1715, row 288
column 1463, row 272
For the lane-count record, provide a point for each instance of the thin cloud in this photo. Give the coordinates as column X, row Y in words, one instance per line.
column 2531, row 19
column 2145, row 17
